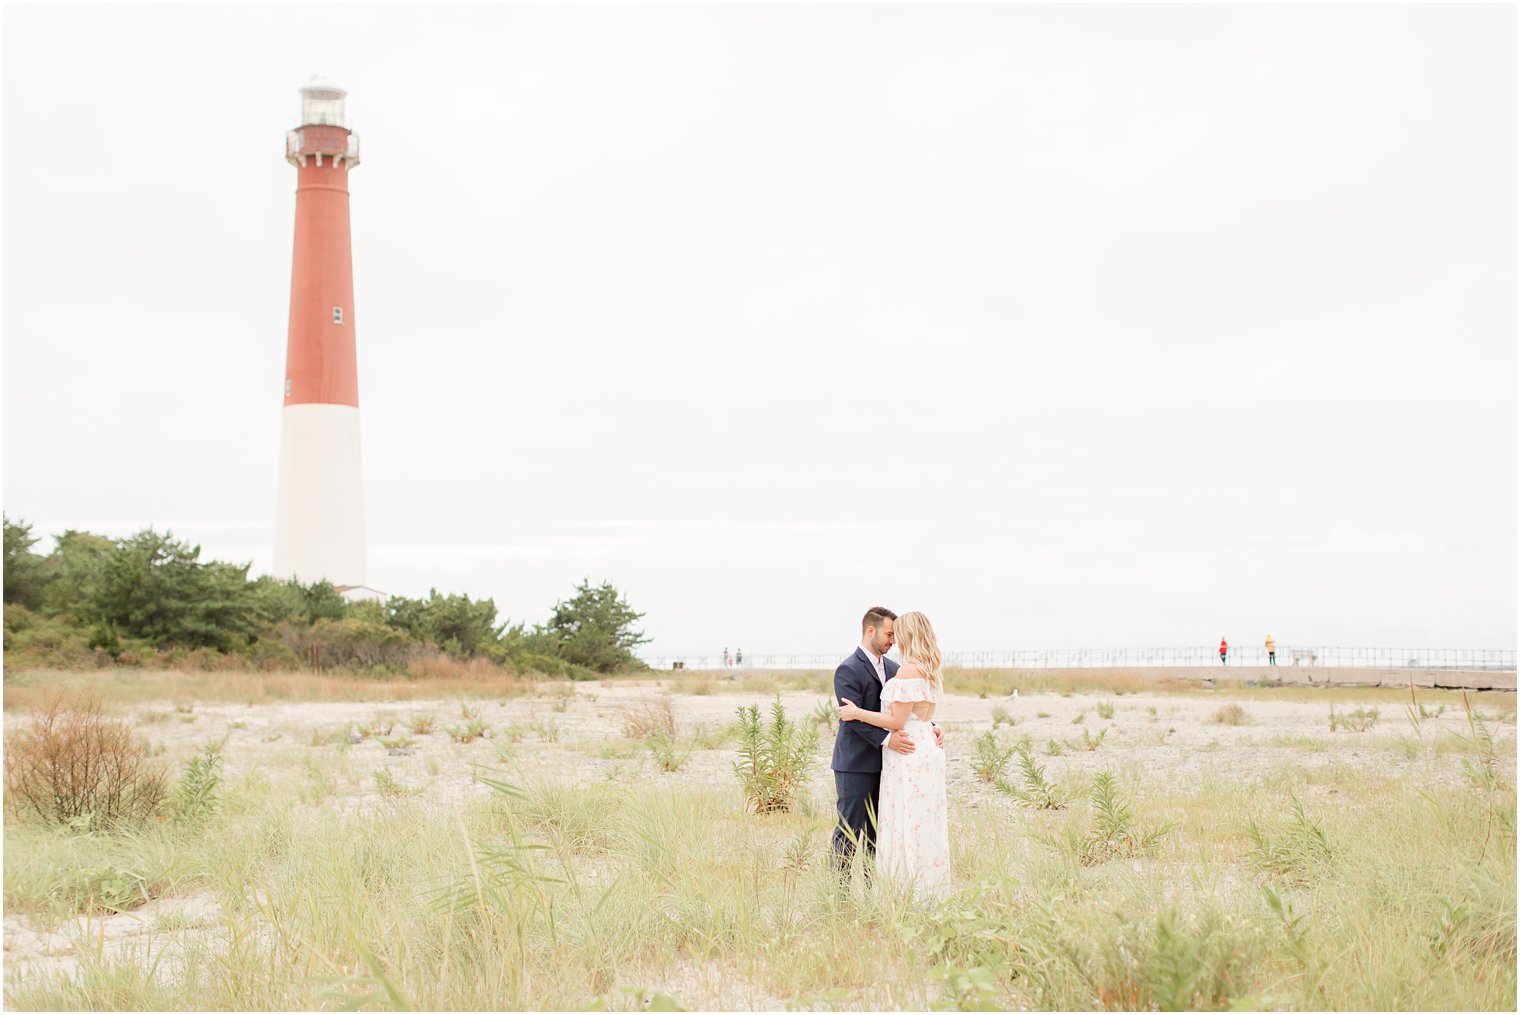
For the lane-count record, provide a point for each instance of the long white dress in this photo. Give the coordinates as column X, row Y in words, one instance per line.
column 912, row 830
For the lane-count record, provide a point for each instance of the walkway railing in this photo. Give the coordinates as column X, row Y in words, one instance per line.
column 1040, row 659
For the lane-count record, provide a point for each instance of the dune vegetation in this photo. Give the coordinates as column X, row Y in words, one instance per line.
column 596, row 844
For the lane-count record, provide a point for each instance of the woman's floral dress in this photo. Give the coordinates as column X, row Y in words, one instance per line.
column 912, row 832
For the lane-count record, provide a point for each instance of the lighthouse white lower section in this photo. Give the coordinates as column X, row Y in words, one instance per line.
column 319, row 520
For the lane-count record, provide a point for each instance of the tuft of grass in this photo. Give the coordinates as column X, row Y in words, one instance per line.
column 422, row 725
column 390, row 788
column 1105, row 710
column 647, row 716
column 1230, row 715
column 468, row 732
column 1360, row 720
column 1081, row 717
column 1294, row 850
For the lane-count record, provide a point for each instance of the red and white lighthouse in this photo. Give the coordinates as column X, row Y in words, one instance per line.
column 319, row 521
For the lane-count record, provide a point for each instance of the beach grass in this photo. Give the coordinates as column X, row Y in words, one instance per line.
column 1317, row 881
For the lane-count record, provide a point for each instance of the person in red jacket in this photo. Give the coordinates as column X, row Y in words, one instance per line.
column 1224, row 652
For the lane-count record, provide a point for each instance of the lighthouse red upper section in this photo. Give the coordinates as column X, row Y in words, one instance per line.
column 321, row 366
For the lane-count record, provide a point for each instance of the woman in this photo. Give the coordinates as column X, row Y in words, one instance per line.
column 912, row 831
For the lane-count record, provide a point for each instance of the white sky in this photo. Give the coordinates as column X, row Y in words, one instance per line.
column 1070, row 326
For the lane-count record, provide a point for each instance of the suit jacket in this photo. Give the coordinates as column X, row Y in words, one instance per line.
column 857, row 745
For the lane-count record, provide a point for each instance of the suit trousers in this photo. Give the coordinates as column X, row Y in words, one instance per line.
column 857, row 793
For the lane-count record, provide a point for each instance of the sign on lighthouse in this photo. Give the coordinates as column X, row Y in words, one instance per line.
column 319, row 520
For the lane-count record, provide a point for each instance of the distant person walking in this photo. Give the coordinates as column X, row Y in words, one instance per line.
column 728, row 660
column 1271, row 651
column 1224, row 652
column 738, row 657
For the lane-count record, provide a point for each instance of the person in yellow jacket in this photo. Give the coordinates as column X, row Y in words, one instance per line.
column 1271, row 651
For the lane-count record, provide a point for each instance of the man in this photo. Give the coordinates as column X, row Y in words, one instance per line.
column 1271, row 651
column 857, row 745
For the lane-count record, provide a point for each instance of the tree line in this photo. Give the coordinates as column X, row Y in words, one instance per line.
column 149, row 598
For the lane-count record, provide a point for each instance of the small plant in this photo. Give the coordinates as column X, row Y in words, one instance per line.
column 379, row 726
column 991, row 758
column 668, row 754
column 710, row 738
column 1292, row 851
column 1113, row 834
column 198, row 793
column 1230, row 715
column 389, row 788
column 1054, row 748
column 560, row 697
column 647, row 716
column 422, row 725
column 1105, row 710
column 825, row 713
column 1481, row 766
column 1001, row 716
column 774, row 758
column 1359, row 721
column 396, row 743
column 800, row 852
column 1150, row 710
column 547, row 730
column 1089, row 742
column 1034, row 790
column 1042, row 715
column 468, row 711
column 470, row 731
column 1080, row 719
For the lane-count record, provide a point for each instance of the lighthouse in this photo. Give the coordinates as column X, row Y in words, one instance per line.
column 319, row 518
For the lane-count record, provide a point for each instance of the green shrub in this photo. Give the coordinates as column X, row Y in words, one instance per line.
column 991, row 758
column 198, row 793
column 667, row 751
column 353, row 644
column 1112, row 833
column 774, row 758
column 458, row 625
column 1034, row 790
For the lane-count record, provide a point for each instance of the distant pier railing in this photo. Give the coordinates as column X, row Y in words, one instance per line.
column 1043, row 659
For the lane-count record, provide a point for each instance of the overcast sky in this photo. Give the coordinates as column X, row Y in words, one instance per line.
column 1069, row 326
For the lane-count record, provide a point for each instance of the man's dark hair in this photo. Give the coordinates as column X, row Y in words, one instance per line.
column 875, row 617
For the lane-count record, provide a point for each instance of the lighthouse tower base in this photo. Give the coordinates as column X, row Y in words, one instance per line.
column 319, row 520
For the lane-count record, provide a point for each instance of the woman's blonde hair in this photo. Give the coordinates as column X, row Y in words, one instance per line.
column 917, row 645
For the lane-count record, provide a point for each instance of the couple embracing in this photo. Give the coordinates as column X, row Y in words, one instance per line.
column 889, row 756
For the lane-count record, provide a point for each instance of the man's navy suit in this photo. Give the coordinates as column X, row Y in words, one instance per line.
column 857, row 755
